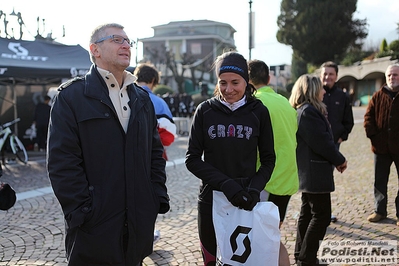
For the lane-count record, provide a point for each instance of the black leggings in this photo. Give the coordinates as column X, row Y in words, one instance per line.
column 281, row 202
column 206, row 233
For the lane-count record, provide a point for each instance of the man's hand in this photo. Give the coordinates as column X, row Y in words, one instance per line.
column 341, row 168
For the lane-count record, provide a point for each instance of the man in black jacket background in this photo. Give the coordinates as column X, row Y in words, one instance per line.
column 41, row 120
column 339, row 108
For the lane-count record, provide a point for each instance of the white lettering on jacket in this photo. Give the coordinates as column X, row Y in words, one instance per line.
column 238, row 131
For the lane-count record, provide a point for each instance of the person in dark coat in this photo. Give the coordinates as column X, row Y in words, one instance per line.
column 381, row 122
column 339, row 108
column 317, row 155
column 40, row 120
column 105, row 159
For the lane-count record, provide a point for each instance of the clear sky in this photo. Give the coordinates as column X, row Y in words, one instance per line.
column 81, row 17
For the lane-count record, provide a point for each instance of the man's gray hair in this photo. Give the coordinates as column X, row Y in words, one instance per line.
column 98, row 32
column 393, row 65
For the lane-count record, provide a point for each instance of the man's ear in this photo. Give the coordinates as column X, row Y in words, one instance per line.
column 153, row 85
column 94, row 49
column 268, row 81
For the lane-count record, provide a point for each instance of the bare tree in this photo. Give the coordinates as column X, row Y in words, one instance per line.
column 161, row 55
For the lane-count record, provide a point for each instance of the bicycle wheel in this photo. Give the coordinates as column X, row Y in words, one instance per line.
column 18, row 149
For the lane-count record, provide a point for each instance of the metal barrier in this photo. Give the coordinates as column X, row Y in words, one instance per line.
column 181, row 105
column 182, row 125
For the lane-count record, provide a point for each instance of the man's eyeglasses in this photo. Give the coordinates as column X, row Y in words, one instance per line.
column 116, row 39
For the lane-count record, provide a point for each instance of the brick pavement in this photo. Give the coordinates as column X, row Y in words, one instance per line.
column 32, row 232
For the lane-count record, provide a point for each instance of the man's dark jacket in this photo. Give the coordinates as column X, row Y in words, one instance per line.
column 340, row 113
column 381, row 122
column 108, row 182
column 42, row 114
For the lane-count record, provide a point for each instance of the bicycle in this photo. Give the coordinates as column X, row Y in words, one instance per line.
column 16, row 145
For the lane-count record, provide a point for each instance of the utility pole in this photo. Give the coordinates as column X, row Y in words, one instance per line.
column 250, row 45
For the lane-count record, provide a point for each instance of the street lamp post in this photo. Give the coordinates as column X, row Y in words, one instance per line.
column 20, row 22
column 7, row 31
column 250, row 45
column 5, row 21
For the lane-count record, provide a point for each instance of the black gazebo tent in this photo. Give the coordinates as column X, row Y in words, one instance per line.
column 28, row 69
column 42, row 60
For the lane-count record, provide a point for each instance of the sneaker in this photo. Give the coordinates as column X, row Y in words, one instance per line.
column 157, row 236
column 375, row 217
column 11, row 161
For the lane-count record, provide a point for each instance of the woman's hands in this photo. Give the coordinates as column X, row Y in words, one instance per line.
column 245, row 200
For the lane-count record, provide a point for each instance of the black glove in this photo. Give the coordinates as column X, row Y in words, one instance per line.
column 164, row 208
column 241, row 199
column 255, row 199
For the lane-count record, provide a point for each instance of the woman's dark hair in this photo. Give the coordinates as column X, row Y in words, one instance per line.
column 234, row 56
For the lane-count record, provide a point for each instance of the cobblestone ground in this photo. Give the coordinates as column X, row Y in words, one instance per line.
column 32, row 232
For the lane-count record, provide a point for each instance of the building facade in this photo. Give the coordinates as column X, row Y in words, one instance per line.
column 187, row 49
column 364, row 78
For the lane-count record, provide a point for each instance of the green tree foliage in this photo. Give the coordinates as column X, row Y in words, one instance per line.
column 384, row 46
column 320, row 30
column 354, row 55
column 394, row 46
column 391, row 50
column 298, row 66
column 284, row 93
column 162, row 89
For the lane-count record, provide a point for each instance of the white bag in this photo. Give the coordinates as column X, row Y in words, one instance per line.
column 246, row 237
column 30, row 133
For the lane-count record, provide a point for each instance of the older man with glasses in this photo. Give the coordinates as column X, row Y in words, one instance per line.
column 105, row 158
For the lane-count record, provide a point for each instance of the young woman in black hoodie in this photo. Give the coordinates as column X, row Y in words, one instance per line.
column 227, row 132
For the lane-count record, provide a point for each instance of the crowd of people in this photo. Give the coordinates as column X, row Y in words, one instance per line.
column 307, row 134
column 108, row 131
column 304, row 158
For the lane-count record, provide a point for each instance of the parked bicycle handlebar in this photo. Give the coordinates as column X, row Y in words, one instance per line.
column 11, row 122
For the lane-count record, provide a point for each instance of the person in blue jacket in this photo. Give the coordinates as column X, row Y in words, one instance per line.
column 105, row 160
column 148, row 78
column 317, row 155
